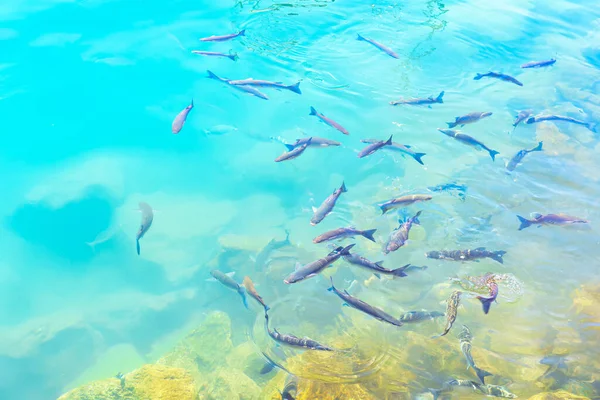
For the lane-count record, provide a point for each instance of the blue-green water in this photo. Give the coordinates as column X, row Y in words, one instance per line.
column 88, row 91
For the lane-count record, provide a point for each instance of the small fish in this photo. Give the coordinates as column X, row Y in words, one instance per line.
column 468, row 119
column 290, row 390
column 381, row 47
column 328, row 121
column 403, row 201
column 232, row 57
column 469, row 141
column 451, row 312
column 261, row 83
column 418, row 316
column 512, row 164
column 147, row 218
column 467, row 255
column 224, row 38
column 360, row 305
column 341, row 233
column 314, row 142
column 539, row 64
column 522, row 116
column 401, row 148
column 465, row 346
column 262, row 258
column 549, row 219
column 495, row 391
column 227, row 280
column 399, row 236
column 179, row 120
column 539, row 118
column 244, row 88
column 293, row 341
column 373, row 147
column 420, row 101
column 312, row 269
column 555, row 360
column 251, row 290
column 461, row 190
column 449, row 387
column 492, row 285
column 502, row 77
column 327, row 206
column 376, row 267
column 296, row 152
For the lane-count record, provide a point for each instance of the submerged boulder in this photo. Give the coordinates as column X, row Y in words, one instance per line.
column 558, row 395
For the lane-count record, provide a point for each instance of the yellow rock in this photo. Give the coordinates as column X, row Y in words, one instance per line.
column 558, row 395
column 229, row 384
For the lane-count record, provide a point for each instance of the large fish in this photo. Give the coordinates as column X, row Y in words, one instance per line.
column 539, row 64
column 360, row 305
column 470, row 118
column 399, row 236
column 373, row 147
column 403, row 201
column 400, row 148
column 232, row 56
column 540, row 118
column 486, row 301
column 296, row 152
column 179, row 120
column 469, row 141
column 502, row 77
column 262, row 258
column 341, row 233
column 312, row 269
column 314, row 142
column 522, row 116
column 467, row 255
column 328, row 121
column 418, row 316
column 451, row 312
column 512, row 164
column 375, row 267
column 420, row 101
column 293, row 341
column 227, row 280
column 262, row 83
column 145, row 224
column 466, row 338
column 244, row 88
column 381, row 47
column 249, row 285
column 327, row 206
column 223, row 38
column 549, row 219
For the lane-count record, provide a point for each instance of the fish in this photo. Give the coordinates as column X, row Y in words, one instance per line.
column 296, row 152
column 293, row 341
column 360, row 305
column 373, row 147
column 497, row 75
column 381, row 47
column 179, row 120
column 145, row 224
column 540, row 118
column 375, row 267
column 469, row 141
column 418, row 316
column 539, row 64
column 327, row 206
column 522, row 116
column 403, row 201
column 290, row 390
column 328, row 121
column 399, row 236
column 420, row 101
column 449, row 387
column 470, row 118
column 401, row 148
column 486, row 302
column 512, row 164
column 262, row 83
column 315, row 142
column 262, row 258
column 121, row 378
column 251, row 290
column 467, row 255
column 451, row 312
column 555, row 360
column 312, row 269
column 495, row 391
column 341, row 233
column 466, row 338
column 224, row 38
column 549, row 219
column 244, row 88
column 461, row 190
column 231, row 56
column 411, row 268
column 104, row 236
column 227, row 280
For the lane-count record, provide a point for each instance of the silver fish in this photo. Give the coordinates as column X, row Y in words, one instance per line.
column 470, row 118
column 296, row 152
column 312, row 269
column 232, row 57
column 403, row 201
column 293, row 341
column 497, row 75
column 381, row 47
column 399, row 236
column 467, row 255
column 228, row 281
column 522, row 116
column 262, row 83
column 420, row 101
column 179, row 120
column 373, row 147
column 314, row 142
column 466, row 338
column 512, row 164
column 538, row 64
column 540, row 118
column 376, row 267
column 147, row 218
column 469, row 141
column 401, row 148
column 549, row 219
column 341, row 233
column 244, row 88
column 223, row 38
column 328, row 121
column 327, row 206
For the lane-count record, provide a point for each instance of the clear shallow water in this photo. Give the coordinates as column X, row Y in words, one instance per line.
column 88, row 91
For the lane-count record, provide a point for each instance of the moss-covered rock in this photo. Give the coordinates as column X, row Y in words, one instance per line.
column 229, row 384
column 558, row 395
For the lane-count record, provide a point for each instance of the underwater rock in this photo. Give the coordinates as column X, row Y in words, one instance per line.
column 246, row 359
column 558, row 395
column 229, row 384
column 311, row 390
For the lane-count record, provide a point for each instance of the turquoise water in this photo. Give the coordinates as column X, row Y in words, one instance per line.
column 88, row 91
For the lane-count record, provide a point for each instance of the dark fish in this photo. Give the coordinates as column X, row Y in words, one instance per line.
column 249, row 285
column 399, row 236
column 312, row 269
column 549, row 219
column 492, row 285
column 512, row 164
column 381, row 47
column 403, row 201
column 451, row 312
column 147, row 218
column 296, row 152
column 360, row 305
column 465, row 345
column 244, row 88
column 179, row 120
column 327, row 206
column 226, row 280
column 375, row 267
column 314, row 142
column 290, row 390
column 469, row 141
column 540, row 118
column 373, row 147
column 418, row 316
column 328, row 121
column 538, row 64
column 468, row 119
column 502, row 77
column 223, row 38
column 232, row 57
column 261, row 83
column 293, row 341
column 262, row 258
column 401, row 148
column 522, row 116
column 270, row 364
column 341, row 233
column 467, row 255
column 420, row 101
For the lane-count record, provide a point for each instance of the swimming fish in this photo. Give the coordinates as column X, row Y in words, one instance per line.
column 296, row 152
column 147, row 218
column 502, row 77
column 327, row 206
column 293, row 341
column 399, row 236
column 512, row 164
column 469, row 141
column 470, row 118
column 539, row 118
column 467, row 255
column 261, row 83
column 262, row 258
column 522, row 116
column 495, row 391
column 315, row 142
column 411, row 268
column 451, row 312
column 403, row 201
column 549, row 219
column 227, row 280
column 381, row 47
column 312, row 269
column 449, row 387
column 244, row 88
column 360, row 305
column 420, row 101
column 328, row 121
column 373, row 147
column 290, row 389
column 375, row 267
column 465, row 346
column 492, row 285
column 251, row 290
column 223, row 38
column 538, row 64
column 418, row 316
column 341, row 233
column 232, row 57
column 461, row 190
column 179, row 120
column 401, row 148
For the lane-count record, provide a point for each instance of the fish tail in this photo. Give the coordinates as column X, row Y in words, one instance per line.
column 137, row 246
column 435, row 392
column 369, row 234
column 295, row 88
column 400, row 271
column 313, row 111
column 451, row 124
column 92, row 246
column 493, row 154
column 486, row 303
column 233, row 57
column 346, row 250
column 192, row 104
column 593, row 127
column 267, row 308
column 384, row 209
column 418, row 156
column 440, row 98
column 481, row 374
column 331, row 288
column 525, row 223
column 389, row 141
column 290, row 147
column 242, row 33
column 242, row 293
column 343, row 187
column 478, row 77
column 212, row 75
column 497, row 256
column 287, row 235
column 539, row 147
column 416, row 217
column 358, row 37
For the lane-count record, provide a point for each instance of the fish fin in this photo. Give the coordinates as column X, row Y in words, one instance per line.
column 230, row 274
column 212, row 75
column 379, row 263
column 389, row 141
column 313, row 111
column 493, row 154
column 314, row 209
column 416, row 217
column 290, row 147
column 407, row 146
column 400, row 272
column 137, row 246
column 383, row 208
column 345, row 305
column 242, row 33
column 525, row 223
column 377, row 275
column 497, row 256
column 593, row 127
column 478, row 77
column 418, row 156
column 343, row 187
column 242, row 293
column 294, row 88
column 481, row 374
column 435, row 392
column 486, row 303
column 346, row 250
column 359, row 37
column 369, row 234
column 233, row 57
column 297, row 266
column 332, row 288
column 451, row 124
column 539, row 147
column 440, row 98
